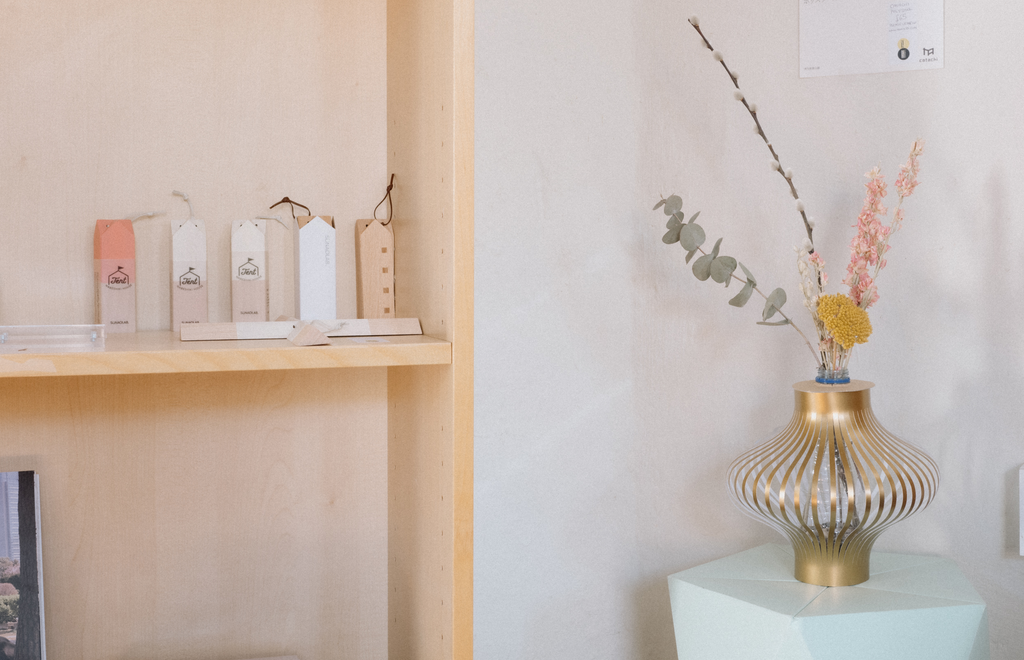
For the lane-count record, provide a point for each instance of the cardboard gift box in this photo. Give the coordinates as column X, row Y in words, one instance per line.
column 250, row 293
column 316, row 271
column 114, row 274
column 189, row 292
column 375, row 270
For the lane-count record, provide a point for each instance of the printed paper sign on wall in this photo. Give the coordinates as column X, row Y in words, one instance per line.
column 840, row 37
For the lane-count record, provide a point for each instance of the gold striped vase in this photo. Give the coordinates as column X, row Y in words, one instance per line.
column 832, row 481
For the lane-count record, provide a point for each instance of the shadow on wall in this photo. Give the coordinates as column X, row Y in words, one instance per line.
column 653, row 632
column 1012, row 520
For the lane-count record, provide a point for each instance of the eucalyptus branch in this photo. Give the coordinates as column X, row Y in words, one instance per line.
column 722, row 268
column 781, row 313
column 786, row 174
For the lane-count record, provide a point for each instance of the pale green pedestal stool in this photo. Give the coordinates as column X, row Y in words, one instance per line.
column 750, row 606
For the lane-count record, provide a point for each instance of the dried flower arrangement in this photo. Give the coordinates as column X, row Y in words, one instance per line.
column 840, row 320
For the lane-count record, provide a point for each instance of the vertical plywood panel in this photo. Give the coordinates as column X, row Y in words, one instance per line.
column 208, row 515
column 430, row 142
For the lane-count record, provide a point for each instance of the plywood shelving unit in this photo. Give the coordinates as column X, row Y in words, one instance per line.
column 158, row 352
column 242, row 499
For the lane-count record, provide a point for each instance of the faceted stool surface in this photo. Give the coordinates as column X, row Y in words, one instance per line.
column 749, row 605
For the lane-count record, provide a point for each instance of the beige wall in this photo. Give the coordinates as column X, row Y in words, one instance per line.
column 106, row 107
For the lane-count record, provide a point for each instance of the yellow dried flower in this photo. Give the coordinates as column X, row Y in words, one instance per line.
column 846, row 322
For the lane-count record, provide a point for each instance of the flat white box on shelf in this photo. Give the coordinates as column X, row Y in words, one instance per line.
column 316, row 270
column 749, row 605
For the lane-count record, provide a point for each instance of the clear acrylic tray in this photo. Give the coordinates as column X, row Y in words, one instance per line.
column 51, row 338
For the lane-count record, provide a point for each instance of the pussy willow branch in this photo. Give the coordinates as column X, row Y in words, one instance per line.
column 760, row 131
column 781, row 313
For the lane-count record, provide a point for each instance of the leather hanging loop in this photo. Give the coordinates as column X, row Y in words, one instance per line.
column 293, row 204
column 387, row 198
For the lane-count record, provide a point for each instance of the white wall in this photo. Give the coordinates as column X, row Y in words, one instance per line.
column 613, row 389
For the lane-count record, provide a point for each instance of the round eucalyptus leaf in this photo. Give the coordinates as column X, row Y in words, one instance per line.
column 750, row 276
column 673, row 204
column 673, row 222
column 694, row 216
column 722, row 268
column 775, row 301
column 691, row 236
column 658, row 205
column 671, row 236
column 741, row 298
column 702, row 267
column 714, row 251
column 689, row 255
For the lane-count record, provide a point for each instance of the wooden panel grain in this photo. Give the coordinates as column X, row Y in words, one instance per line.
column 208, row 515
column 462, row 334
column 161, row 352
column 375, row 270
column 430, row 145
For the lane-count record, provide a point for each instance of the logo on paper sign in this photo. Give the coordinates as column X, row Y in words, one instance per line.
column 190, row 280
column 904, row 49
column 118, row 280
column 927, row 51
column 249, row 271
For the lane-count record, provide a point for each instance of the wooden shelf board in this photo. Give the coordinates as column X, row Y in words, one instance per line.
column 163, row 352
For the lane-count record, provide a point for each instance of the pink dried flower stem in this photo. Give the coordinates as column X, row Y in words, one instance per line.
column 760, row 131
column 869, row 246
column 906, row 183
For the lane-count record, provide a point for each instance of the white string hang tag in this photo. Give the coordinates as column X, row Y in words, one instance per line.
column 191, row 213
column 274, row 217
column 144, row 216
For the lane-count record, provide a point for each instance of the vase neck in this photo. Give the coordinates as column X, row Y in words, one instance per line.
column 833, row 376
column 842, row 401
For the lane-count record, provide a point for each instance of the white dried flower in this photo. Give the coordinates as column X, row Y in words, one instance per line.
column 775, row 165
column 753, row 107
column 800, row 205
column 694, row 21
column 717, row 54
column 788, row 173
